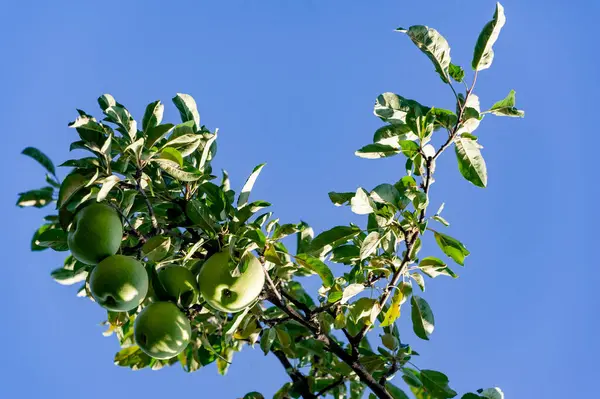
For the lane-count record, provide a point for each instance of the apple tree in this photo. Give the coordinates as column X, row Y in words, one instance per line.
column 191, row 272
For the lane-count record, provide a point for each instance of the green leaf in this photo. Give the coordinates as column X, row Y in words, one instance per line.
column 187, row 108
column 283, row 337
column 456, row 72
column 444, row 118
column 422, row 317
column 436, row 384
column 107, row 185
column 253, row 395
column 37, row 198
column 245, row 193
column 284, row 230
column 156, row 248
column 433, row 45
column 120, row 116
column 419, row 280
column 440, row 219
column 411, row 377
column 41, row 158
column 471, row 395
column 396, row 392
column 351, row 291
column 361, row 203
column 451, row 247
column 53, row 238
column 484, row 54
column 409, row 148
column 266, row 341
column 335, row 236
column 185, row 144
column 34, row 240
column 470, row 162
column 393, row 108
column 491, row 393
column 385, row 194
column 346, row 254
column 375, row 151
column 132, row 357
column 434, row 267
column 507, row 107
column 172, row 154
column 370, row 244
column 69, row 187
column 156, row 133
column 186, row 174
column 153, row 115
column 392, row 134
column 401, row 294
column 315, row 265
column 105, row 101
column 339, row 199
column 69, row 277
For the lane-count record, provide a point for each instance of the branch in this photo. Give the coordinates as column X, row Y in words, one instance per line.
column 299, row 379
column 331, row 386
column 138, row 187
column 132, row 229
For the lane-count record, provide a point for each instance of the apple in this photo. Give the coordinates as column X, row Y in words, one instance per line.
column 224, row 292
column 179, row 284
column 161, row 330
column 119, row 283
column 96, row 233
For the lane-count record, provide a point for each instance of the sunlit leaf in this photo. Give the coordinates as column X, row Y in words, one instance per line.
column 483, row 54
column 422, row 317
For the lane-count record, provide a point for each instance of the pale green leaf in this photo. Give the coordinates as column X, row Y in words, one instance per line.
column 506, row 107
column 470, row 161
column 245, row 193
column 361, row 203
column 107, row 185
column 183, row 174
column 451, row 247
column 484, row 54
column 422, row 317
column 334, row 236
column 433, row 45
column 153, row 115
column 375, row 151
column 315, row 265
column 187, row 108
column 351, row 291
column 370, row 244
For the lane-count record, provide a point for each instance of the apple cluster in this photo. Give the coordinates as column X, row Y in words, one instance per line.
column 121, row 283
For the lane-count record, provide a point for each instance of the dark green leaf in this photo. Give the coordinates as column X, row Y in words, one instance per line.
column 69, row 277
column 471, row 396
column 268, row 336
column 284, row 230
column 69, row 187
column 37, row 198
column 436, row 384
column 507, row 107
column 245, row 193
column 335, row 236
column 392, row 134
column 433, row 45
column 456, row 72
column 346, row 254
column 41, row 158
column 375, row 151
column 315, row 265
column 484, row 54
column 409, row 148
column 396, row 392
column 156, row 133
column 444, row 118
column 253, row 395
column 187, row 108
column 35, row 244
column 339, row 199
column 452, row 247
column 422, row 317
column 153, row 115
column 470, row 162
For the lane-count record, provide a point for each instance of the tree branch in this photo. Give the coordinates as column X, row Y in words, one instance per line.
column 331, row 386
column 300, row 381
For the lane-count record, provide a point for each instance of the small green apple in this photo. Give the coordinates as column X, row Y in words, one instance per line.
column 96, row 233
column 119, row 283
column 179, row 284
column 225, row 292
column 161, row 330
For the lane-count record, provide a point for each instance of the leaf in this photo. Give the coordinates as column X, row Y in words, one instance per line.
column 440, row 219
column 375, row 151
column 470, row 162
column 283, row 337
column 37, row 198
column 361, row 203
column 336, row 235
column 156, row 248
column 396, row 392
column 208, row 150
column 105, row 101
column 491, row 393
column 245, row 193
column 187, row 108
column 34, row 240
column 433, row 45
column 346, row 254
column 69, row 187
column 318, row 267
column 456, row 72
column 132, row 357
column 284, row 230
column 401, row 294
column 483, row 54
column 172, row 154
column 107, row 185
column 41, row 158
column 392, row 134
column 409, row 148
column 451, row 247
column 153, row 115
column 156, row 133
column 422, row 317
column 53, row 238
column 507, row 107
column 444, row 118
column 339, row 199
column 419, row 280
column 187, row 173
column 471, row 395
column 253, row 395
column 69, row 277
column 120, row 116
column 351, row 291
column 370, row 244
column 393, row 108
column 268, row 336
column 185, row 144
column 436, row 384
column 434, row 267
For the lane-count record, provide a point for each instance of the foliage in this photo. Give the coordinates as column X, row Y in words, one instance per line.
column 159, row 177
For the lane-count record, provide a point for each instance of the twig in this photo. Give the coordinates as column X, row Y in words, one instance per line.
column 138, row 186
column 299, row 379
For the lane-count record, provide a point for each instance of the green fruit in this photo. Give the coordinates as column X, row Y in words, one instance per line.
column 119, row 283
column 179, row 284
column 96, row 233
column 224, row 292
column 161, row 330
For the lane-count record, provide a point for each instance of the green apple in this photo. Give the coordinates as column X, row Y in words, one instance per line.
column 161, row 330
column 179, row 284
column 96, row 233
column 224, row 292
column 119, row 283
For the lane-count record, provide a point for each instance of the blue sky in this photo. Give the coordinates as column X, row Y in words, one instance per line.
column 292, row 83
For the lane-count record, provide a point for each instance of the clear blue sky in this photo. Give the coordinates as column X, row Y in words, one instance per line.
column 292, row 83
